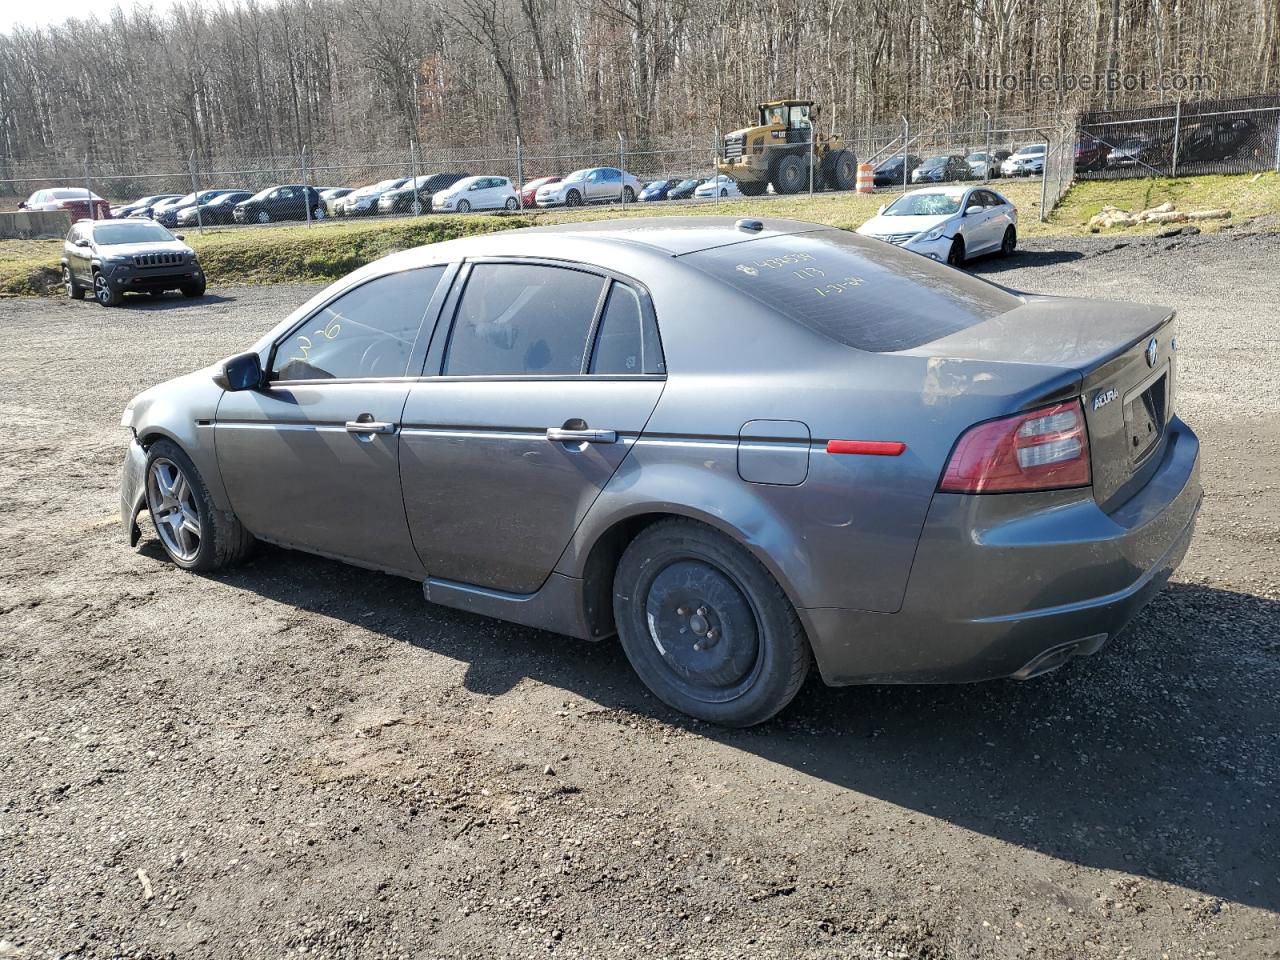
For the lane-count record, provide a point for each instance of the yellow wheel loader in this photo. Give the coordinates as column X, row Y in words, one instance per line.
column 781, row 149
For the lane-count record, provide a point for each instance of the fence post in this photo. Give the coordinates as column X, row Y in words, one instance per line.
column 986, row 166
column 906, row 133
column 93, row 214
column 306, row 197
column 195, row 193
column 1044, row 177
column 520, row 174
column 1278, row 141
column 1177, row 133
column 812, row 157
column 622, row 169
column 413, row 176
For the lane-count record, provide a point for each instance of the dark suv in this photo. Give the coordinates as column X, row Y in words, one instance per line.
column 115, row 257
column 286, row 202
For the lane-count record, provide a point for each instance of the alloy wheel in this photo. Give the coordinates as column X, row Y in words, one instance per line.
column 174, row 509
column 67, row 282
column 101, row 290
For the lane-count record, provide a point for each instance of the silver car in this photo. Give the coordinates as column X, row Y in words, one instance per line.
column 739, row 446
column 591, row 185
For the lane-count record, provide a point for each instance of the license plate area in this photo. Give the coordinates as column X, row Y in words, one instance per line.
column 1145, row 412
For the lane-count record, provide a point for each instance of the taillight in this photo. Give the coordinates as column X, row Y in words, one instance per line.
column 1043, row 449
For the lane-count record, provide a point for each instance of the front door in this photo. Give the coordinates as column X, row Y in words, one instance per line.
column 547, row 378
column 312, row 460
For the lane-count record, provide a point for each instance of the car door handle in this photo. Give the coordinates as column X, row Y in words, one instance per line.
column 561, row 435
column 370, row 426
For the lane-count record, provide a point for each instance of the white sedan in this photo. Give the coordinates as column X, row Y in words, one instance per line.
column 948, row 223
column 718, row 186
column 476, row 193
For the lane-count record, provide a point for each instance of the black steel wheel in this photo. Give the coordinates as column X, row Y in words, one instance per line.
column 706, row 626
column 1009, row 243
column 955, row 256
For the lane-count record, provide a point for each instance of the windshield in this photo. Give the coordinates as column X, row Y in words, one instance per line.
column 860, row 292
column 579, row 174
column 225, row 198
column 1031, row 151
column 76, row 194
column 110, row 234
column 976, row 157
column 686, row 184
column 934, row 162
column 924, row 205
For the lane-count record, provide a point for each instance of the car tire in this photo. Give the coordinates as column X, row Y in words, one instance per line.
column 195, row 534
column 74, row 290
column 103, row 293
column 317, row 213
column 573, row 199
column 955, row 256
column 512, row 203
column 1009, row 243
column 193, row 290
column 464, row 206
column 263, row 216
column 680, row 581
column 628, row 195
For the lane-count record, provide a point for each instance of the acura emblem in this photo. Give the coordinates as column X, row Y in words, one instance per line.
column 1152, row 349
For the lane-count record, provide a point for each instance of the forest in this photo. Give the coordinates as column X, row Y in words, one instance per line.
column 258, row 78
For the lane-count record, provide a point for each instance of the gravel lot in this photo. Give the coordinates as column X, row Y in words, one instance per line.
column 302, row 757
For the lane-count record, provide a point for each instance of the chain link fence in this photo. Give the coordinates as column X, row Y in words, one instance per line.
column 1181, row 139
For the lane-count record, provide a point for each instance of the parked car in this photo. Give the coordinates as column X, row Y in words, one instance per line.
column 719, row 186
column 658, row 190
column 942, row 168
column 1025, row 161
column 529, row 192
column 157, row 208
column 400, row 200
column 985, row 166
column 1215, row 140
column 1144, row 150
column 115, row 257
column 684, row 189
column 77, row 201
column 141, row 204
column 1091, row 154
column 364, row 201
column 889, row 172
column 285, row 202
column 590, row 185
column 214, row 211
column 168, row 214
column 476, row 193
column 331, row 197
column 951, row 224
column 739, row 446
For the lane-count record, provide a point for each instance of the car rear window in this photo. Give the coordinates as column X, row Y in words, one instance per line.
column 861, row 292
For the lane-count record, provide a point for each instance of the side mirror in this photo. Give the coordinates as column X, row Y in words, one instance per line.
column 972, row 211
column 22, row 205
column 178, row 236
column 82, row 241
column 241, row 372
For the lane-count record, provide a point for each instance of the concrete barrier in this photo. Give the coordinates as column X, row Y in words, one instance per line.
column 33, row 225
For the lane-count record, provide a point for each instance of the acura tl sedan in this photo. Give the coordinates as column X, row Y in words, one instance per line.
column 591, row 185
column 741, row 447
column 948, row 223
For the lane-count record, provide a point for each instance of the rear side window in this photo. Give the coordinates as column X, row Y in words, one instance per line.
column 518, row 318
column 367, row 333
column 626, row 342
column 861, row 292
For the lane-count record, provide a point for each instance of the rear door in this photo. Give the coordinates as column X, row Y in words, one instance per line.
column 545, row 381
column 312, row 460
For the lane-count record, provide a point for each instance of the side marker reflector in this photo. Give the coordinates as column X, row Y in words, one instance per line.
column 872, row 448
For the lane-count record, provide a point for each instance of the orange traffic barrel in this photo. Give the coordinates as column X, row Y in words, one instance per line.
column 866, row 179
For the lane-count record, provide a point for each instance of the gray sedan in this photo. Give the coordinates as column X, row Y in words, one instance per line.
column 740, row 447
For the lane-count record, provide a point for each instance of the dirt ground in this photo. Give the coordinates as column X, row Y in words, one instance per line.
column 299, row 757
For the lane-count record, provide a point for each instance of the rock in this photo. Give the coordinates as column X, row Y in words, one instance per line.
column 1217, row 213
column 1168, row 216
column 1166, row 207
column 547, row 771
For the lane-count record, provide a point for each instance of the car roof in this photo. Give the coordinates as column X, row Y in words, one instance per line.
column 945, row 188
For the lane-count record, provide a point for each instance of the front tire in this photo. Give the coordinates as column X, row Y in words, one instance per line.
column 194, row 533
column 464, row 206
column 841, row 170
column 193, row 290
column 264, row 217
column 74, row 290
column 706, row 626
column 790, row 174
column 955, row 256
column 573, row 199
column 103, row 293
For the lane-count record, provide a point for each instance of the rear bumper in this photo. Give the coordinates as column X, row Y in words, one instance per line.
column 1008, row 586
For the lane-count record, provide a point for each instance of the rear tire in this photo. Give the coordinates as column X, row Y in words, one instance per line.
column 221, row 540
column 1009, row 243
column 790, row 174
column 512, row 203
column 628, row 195
column 74, row 290
column 681, row 583
column 840, row 170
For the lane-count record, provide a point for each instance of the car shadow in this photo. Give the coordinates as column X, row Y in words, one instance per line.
column 1157, row 756
column 1021, row 259
column 168, row 301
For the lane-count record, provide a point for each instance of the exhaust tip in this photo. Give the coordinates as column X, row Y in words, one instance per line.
column 1054, row 657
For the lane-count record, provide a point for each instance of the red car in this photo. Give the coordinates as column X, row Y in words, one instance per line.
column 77, row 201
column 528, row 191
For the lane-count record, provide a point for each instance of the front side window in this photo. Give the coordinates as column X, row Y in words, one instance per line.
column 522, row 319
column 366, row 333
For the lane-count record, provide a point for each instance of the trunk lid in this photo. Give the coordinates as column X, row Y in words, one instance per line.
column 1123, row 355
